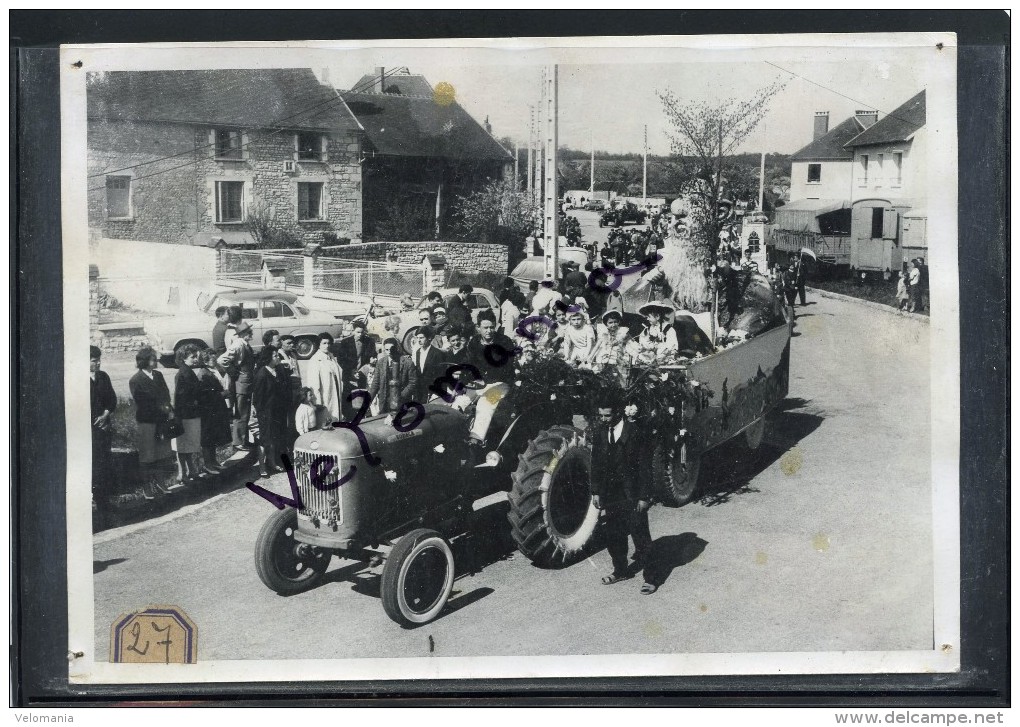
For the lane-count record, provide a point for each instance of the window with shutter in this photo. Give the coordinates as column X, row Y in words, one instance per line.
column 877, row 223
column 890, row 223
column 118, row 197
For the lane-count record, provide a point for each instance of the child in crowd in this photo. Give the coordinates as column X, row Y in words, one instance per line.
column 307, row 416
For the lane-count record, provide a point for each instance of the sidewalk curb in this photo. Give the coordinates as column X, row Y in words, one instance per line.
column 870, row 304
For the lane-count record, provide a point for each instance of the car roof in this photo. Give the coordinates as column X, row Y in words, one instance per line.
column 240, row 294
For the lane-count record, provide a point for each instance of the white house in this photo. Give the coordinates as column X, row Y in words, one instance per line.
column 888, row 194
column 820, row 178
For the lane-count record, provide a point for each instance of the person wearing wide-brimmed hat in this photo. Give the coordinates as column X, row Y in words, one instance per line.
column 657, row 342
column 616, row 348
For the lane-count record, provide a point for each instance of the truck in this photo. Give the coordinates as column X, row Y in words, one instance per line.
column 399, row 488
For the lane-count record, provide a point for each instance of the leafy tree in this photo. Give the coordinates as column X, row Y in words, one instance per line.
column 703, row 136
column 497, row 213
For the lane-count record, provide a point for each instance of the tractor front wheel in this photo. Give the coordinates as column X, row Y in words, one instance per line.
column 417, row 578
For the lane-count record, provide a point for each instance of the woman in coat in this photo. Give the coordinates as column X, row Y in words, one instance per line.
column 271, row 397
column 395, row 378
column 214, row 406
column 187, row 408
column 325, row 377
column 152, row 408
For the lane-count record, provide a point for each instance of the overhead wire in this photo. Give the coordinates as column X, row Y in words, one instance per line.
column 839, row 93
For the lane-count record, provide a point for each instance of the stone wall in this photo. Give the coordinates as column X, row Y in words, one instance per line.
column 173, row 199
column 462, row 256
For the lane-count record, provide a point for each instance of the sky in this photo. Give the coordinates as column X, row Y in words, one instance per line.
column 609, row 104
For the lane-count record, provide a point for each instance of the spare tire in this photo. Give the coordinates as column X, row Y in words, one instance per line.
column 551, row 513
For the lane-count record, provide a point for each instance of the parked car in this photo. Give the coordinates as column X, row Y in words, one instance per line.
column 262, row 310
column 596, row 205
column 404, row 325
column 621, row 215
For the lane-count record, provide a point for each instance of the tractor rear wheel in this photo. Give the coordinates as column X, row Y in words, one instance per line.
column 551, row 515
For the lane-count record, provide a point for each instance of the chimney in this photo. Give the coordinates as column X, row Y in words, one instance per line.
column 866, row 118
column 821, row 124
column 488, row 126
column 325, row 76
column 380, row 74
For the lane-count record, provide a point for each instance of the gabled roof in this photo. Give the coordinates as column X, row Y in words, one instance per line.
column 831, row 145
column 899, row 125
column 417, row 126
column 288, row 98
column 405, row 85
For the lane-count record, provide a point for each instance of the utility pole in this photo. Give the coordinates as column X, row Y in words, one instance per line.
column 550, row 137
column 539, row 142
column 644, row 175
column 761, row 184
column 517, row 154
column 531, row 148
column 591, row 187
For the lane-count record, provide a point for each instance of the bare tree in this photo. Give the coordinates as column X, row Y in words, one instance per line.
column 703, row 136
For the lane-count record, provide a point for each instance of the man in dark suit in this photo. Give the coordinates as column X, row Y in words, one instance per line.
column 457, row 310
column 104, row 401
column 428, row 362
column 491, row 351
column 621, row 486
column 220, row 329
column 354, row 353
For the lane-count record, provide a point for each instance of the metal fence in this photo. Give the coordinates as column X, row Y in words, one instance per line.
column 331, row 277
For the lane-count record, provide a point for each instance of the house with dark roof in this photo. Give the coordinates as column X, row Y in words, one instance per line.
column 211, row 157
column 820, row 178
column 888, row 189
column 421, row 151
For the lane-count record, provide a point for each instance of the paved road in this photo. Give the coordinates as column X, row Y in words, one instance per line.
column 820, row 541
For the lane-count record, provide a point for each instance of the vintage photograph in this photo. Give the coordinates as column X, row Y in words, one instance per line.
column 533, row 358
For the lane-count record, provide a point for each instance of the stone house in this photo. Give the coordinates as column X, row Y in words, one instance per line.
column 421, row 151
column 889, row 189
column 202, row 157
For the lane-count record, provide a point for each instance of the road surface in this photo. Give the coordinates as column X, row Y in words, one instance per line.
column 822, row 540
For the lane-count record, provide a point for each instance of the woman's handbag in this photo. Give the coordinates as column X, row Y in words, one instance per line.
column 170, row 429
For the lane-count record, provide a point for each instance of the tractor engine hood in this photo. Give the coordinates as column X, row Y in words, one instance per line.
column 441, row 423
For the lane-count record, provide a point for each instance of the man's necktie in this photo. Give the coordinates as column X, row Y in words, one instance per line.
column 612, row 435
column 417, row 362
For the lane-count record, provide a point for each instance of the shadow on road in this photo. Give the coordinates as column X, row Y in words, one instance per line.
column 670, row 552
column 488, row 542
column 98, row 566
column 727, row 472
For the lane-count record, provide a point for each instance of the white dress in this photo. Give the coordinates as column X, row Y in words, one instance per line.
column 325, row 378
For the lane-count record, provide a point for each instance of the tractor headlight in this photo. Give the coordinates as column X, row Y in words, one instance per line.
column 493, row 459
